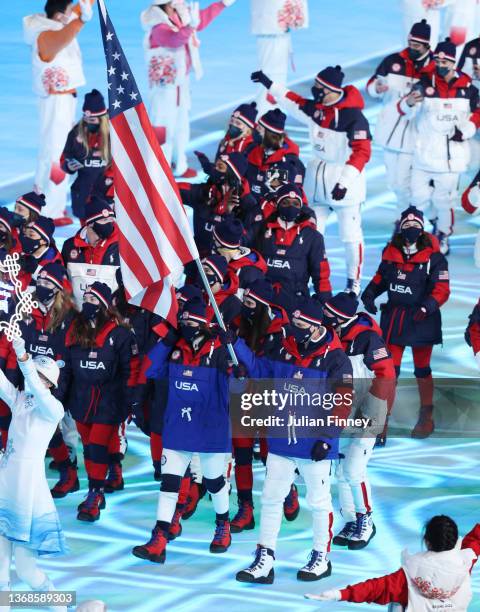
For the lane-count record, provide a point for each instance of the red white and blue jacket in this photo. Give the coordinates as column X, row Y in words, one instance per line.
column 411, row 282
column 100, row 383
column 295, row 256
column 472, row 333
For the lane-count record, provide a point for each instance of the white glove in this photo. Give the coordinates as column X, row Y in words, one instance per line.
column 228, row 2
column 332, row 595
column 194, row 15
column 86, row 11
column 19, row 346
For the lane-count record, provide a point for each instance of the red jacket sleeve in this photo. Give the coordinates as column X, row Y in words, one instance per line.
column 208, row 14
column 361, row 153
column 472, row 540
column 392, row 588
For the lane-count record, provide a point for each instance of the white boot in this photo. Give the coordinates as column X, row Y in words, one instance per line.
column 261, row 570
column 364, row 532
column 316, row 568
column 343, row 537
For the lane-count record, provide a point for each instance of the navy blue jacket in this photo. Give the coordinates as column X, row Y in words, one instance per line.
column 100, row 383
column 421, row 280
column 295, row 256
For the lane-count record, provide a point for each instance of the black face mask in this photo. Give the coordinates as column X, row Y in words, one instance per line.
column 45, row 294
column 234, row 131
column 302, row 336
column 288, row 213
column 318, row 94
column 411, row 234
column 90, row 311
column 414, row 54
column 190, row 334
column 212, row 280
column 3, row 236
column 217, row 177
column 17, row 220
column 29, row 245
column 103, row 230
column 93, row 127
column 442, row 71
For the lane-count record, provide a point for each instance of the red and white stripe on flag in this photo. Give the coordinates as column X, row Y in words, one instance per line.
column 155, row 239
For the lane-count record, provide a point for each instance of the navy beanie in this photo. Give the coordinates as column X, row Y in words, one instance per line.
column 291, row 191
column 94, row 104
column 273, row 121
column 330, row 77
column 97, row 208
column 343, row 305
column 101, row 291
column 446, row 50
column 260, row 290
column 229, row 232
column 194, row 310
column 6, row 218
column 33, row 201
column 217, row 264
column 237, row 162
column 188, row 292
column 310, row 311
column 411, row 214
column 43, row 226
column 420, row 32
column 53, row 272
column 247, row 113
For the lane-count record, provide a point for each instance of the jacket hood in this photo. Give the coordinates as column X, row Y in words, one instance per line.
column 152, row 16
column 352, row 98
column 438, row 575
column 34, row 24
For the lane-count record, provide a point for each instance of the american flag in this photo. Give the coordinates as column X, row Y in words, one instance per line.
column 155, row 238
column 380, row 353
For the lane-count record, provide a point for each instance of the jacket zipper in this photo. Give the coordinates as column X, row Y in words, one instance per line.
column 404, row 130
column 323, row 181
column 393, row 129
column 448, row 152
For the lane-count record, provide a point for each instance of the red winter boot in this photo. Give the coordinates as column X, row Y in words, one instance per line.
column 244, row 518
column 425, row 425
column 155, row 549
column 194, row 496
column 89, row 509
column 68, row 482
column 175, row 526
column 222, row 538
column 291, row 507
column 114, row 480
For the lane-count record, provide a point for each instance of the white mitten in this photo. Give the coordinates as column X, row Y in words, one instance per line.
column 228, row 2
column 19, row 346
column 331, row 595
column 86, row 11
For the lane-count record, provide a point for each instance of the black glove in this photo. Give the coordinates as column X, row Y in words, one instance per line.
column 369, row 304
column 420, row 314
column 338, row 193
column 227, row 336
column 457, row 136
column 260, row 77
column 319, row 450
column 207, row 165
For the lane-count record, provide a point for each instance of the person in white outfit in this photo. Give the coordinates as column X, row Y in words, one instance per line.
column 29, row 523
column 434, row 580
column 57, row 73
column 272, row 23
column 444, row 106
column 394, row 132
column 172, row 53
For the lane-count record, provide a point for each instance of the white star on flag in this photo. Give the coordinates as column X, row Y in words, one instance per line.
column 120, row 89
column 117, row 104
column 109, row 36
column 116, row 56
column 124, row 75
column 111, row 71
column 134, row 95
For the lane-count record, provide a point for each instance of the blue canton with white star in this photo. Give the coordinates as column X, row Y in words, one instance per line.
column 123, row 92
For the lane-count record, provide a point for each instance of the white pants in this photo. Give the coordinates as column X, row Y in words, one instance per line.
column 170, row 108
column 273, row 52
column 57, row 116
column 442, row 197
column 175, row 463
column 353, row 485
column 350, row 232
column 279, row 477
column 399, row 176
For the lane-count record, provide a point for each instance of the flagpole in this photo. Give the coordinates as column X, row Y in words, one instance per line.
column 214, row 304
